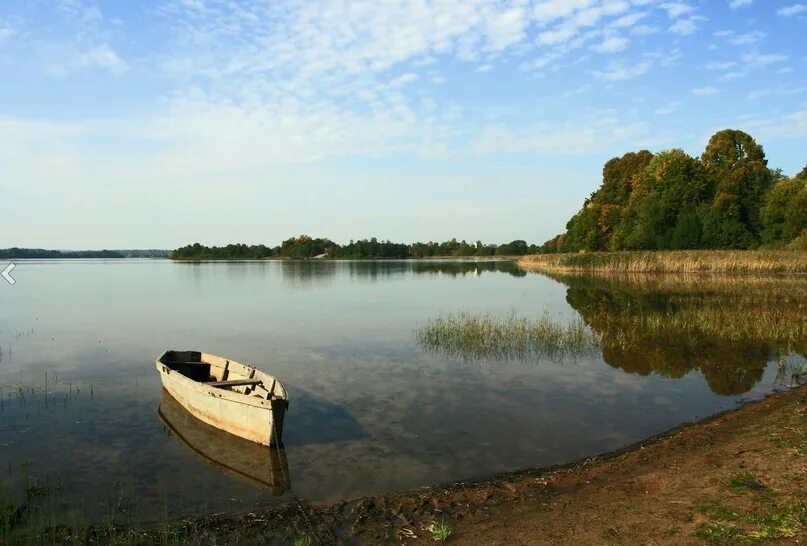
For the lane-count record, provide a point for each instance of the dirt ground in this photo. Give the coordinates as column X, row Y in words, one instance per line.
column 736, row 478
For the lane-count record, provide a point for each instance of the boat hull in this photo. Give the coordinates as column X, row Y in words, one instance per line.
column 249, row 417
column 250, row 463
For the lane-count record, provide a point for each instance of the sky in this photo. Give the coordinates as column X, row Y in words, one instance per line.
column 158, row 124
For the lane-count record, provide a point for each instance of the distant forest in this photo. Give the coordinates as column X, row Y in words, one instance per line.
column 41, row 253
column 727, row 198
column 306, row 247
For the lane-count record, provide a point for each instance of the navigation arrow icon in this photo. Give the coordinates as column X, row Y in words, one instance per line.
column 6, row 273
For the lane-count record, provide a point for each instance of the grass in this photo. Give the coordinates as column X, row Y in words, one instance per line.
column 763, row 518
column 778, row 522
column 678, row 261
column 441, row 531
column 744, row 482
column 35, row 511
column 303, row 541
column 507, row 336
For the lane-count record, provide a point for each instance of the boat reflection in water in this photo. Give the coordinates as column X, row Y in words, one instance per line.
column 260, row 466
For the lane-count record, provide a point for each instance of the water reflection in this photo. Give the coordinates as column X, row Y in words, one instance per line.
column 726, row 328
column 259, row 466
column 314, row 273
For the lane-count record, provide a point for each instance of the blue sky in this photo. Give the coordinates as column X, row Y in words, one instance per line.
column 156, row 124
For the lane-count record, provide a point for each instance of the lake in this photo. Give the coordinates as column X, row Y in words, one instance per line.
column 371, row 411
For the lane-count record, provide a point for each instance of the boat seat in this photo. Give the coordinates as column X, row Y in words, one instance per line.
column 234, row 383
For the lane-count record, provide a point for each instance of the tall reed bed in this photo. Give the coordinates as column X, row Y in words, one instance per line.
column 509, row 336
column 675, row 261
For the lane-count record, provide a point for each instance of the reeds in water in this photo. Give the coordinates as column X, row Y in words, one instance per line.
column 475, row 336
column 672, row 261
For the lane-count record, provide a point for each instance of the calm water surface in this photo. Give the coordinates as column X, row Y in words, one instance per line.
column 370, row 412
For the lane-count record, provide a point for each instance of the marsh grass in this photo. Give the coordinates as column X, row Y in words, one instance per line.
column 38, row 511
column 441, row 531
column 473, row 336
column 32, row 510
column 736, row 323
column 676, row 261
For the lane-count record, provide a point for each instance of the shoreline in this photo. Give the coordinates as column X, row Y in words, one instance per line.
column 726, row 478
column 502, row 258
column 759, row 262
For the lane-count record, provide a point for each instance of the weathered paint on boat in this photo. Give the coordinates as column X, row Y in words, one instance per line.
column 254, row 411
column 250, row 463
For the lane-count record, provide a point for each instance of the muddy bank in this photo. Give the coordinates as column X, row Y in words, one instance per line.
column 738, row 477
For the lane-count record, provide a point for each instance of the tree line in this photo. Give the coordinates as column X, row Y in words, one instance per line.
column 728, row 198
column 41, row 253
column 304, row 247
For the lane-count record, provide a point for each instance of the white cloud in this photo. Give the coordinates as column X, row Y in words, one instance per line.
column 705, row 91
column 6, row 30
column 403, row 79
column 644, row 30
column 101, row 56
column 616, row 71
column 782, row 92
column 557, row 35
column 677, row 9
column 758, row 59
column 668, row 109
column 577, row 91
column 731, row 76
column 589, row 138
column 507, row 28
column 550, row 10
column 541, row 61
column 748, row 38
column 788, row 126
column 685, row 26
column 629, row 20
column 794, row 9
column 484, row 68
column 725, row 65
column 734, row 4
column 611, row 44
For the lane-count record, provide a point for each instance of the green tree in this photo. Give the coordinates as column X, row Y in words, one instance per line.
column 739, row 169
column 671, row 183
column 784, row 214
column 688, row 230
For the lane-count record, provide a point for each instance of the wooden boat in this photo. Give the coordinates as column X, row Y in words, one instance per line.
column 258, row 466
column 233, row 397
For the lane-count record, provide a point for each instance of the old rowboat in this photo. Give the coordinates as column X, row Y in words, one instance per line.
column 233, row 397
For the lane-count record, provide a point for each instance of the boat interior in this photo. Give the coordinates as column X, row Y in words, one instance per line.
column 221, row 373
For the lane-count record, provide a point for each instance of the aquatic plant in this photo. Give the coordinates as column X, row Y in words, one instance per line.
column 506, row 336
column 672, row 261
column 441, row 531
